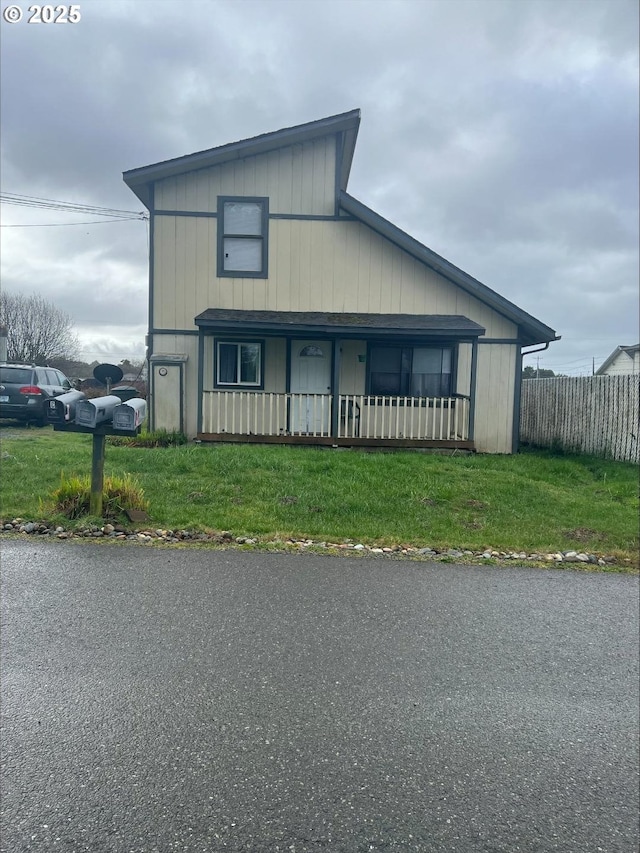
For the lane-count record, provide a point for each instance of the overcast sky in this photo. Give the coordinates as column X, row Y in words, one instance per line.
column 502, row 134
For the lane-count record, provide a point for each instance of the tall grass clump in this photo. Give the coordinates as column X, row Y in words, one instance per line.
column 72, row 498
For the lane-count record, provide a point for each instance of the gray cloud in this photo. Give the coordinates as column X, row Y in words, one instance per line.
column 503, row 135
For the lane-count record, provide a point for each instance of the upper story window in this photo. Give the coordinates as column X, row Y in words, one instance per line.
column 242, row 237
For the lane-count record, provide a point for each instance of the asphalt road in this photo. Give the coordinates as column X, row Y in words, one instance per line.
column 192, row 700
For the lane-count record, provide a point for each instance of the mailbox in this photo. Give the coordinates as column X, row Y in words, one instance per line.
column 91, row 413
column 62, row 409
column 129, row 416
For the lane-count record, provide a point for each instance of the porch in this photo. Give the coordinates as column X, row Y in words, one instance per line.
column 337, row 379
column 336, row 420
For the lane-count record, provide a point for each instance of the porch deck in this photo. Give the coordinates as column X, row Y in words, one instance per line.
column 358, row 420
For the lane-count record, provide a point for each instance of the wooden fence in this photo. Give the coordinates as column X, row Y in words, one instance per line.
column 593, row 414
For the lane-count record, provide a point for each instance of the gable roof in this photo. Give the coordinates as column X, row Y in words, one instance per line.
column 139, row 180
column 606, row 364
column 531, row 331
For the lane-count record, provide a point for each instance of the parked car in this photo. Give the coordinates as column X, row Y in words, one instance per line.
column 25, row 388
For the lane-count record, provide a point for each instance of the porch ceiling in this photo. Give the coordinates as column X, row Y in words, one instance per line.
column 339, row 325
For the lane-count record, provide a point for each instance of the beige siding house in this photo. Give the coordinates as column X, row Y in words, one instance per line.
column 624, row 360
column 282, row 309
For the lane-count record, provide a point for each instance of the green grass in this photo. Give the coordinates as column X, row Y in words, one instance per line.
column 535, row 501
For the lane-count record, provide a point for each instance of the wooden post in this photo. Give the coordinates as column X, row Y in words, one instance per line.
column 97, row 474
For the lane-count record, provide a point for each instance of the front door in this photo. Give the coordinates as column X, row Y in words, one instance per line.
column 311, row 387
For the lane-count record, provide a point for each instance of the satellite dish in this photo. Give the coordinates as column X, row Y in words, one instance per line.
column 108, row 373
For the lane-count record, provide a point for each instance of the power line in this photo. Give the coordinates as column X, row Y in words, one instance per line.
column 66, row 224
column 20, row 200
column 575, row 360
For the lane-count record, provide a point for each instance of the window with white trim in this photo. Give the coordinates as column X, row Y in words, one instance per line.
column 242, row 237
column 239, row 364
column 411, row 371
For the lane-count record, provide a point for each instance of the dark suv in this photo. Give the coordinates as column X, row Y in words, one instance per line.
column 24, row 390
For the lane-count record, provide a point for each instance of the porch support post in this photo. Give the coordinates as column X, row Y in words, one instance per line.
column 335, row 385
column 472, row 389
column 287, row 381
column 287, row 385
column 97, row 474
column 200, row 425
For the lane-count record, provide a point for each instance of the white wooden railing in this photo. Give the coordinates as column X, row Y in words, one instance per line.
column 262, row 413
column 427, row 418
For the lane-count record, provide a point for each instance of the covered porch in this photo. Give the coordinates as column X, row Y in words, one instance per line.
column 337, row 379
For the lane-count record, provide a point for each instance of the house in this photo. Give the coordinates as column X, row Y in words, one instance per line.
column 622, row 361
column 282, row 309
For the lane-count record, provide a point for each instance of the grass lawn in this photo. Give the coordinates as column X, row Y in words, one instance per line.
column 535, row 501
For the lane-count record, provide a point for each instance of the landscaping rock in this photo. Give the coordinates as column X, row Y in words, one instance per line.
column 225, row 537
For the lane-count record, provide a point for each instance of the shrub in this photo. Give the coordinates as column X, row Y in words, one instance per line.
column 72, row 498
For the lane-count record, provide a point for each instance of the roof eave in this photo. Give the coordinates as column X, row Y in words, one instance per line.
column 138, row 180
column 606, row 364
column 348, row 148
column 531, row 330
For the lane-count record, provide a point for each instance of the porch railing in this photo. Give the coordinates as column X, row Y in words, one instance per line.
column 264, row 413
column 361, row 416
column 427, row 418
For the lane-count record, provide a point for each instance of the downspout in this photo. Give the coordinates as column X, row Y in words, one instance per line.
column 149, row 341
column 517, row 396
column 540, row 349
column 473, row 380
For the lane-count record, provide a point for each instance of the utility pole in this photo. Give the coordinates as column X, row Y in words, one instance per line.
column 537, row 367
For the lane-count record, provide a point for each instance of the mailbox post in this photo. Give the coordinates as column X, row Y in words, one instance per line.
column 99, row 417
column 97, row 474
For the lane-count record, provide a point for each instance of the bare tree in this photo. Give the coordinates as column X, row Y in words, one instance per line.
column 37, row 331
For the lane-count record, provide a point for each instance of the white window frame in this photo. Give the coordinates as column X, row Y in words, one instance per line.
column 259, row 384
